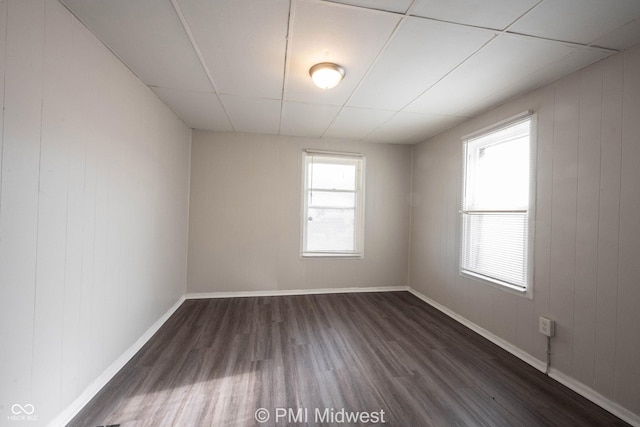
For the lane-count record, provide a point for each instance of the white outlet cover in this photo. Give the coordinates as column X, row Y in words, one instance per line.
column 546, row 326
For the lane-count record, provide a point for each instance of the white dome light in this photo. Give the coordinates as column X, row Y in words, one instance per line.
column 326, row 75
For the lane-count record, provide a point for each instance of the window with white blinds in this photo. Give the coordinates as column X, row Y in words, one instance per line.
column 497, row 204
column 333, row 205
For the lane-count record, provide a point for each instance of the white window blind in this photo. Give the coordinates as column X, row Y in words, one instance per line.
column 333, row 205
column 496, row 205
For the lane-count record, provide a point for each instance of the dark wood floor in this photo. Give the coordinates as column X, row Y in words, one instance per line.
column 215, row 362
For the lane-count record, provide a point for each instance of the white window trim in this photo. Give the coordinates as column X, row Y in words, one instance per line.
column 528, row 292
column 358, row 253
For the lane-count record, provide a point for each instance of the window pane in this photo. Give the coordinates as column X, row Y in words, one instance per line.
column 498, row 171
column 330, row 229
column 334, row 176
column 327, row 199
column 332, row 205
column 495, row 238
column 495, row 245
column 499, row 177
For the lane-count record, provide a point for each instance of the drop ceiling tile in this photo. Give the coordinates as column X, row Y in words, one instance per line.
column 503, row 62
column 621, row 38
column 300, row 119
column 148, row 36
column 420, row 53
column 325, row 32
column 356, row 123
column 253, row 115
column 411, row 128
column 243, row 43
column 577, row 60
column 199, row 110
column 578, row 21
column 238, row 38
column 497, row 14
column 398, row 6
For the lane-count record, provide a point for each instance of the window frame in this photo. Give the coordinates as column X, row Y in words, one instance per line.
column 527, row 291
column 359, row 193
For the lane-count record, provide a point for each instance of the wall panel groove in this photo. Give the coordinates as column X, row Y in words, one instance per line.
column 587, row 239
column 245, row 215
column 81, row 275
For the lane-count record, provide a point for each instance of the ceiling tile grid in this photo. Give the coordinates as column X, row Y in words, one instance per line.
column 413, row 67
column 419, row 55
column 242, row 42
column 578, row 21
column 411, row 128
column 324, row 32
column 502, row 62
column 397, row 6
column 253, row 115
column 147, row 36
column 495, row 14
column 357, row 123
column 199, row 110
column 311, row 120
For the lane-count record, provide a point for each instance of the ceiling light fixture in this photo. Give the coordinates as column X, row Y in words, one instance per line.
column 326, row 75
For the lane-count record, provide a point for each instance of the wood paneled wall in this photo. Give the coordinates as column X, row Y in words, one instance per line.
column 94, row 175
column 244, row 228
column 587, row 238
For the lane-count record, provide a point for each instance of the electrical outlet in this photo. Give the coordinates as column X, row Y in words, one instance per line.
column 547, row 326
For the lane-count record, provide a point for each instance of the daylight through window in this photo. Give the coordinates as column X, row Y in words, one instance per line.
column 333, row 204
column 496, row 207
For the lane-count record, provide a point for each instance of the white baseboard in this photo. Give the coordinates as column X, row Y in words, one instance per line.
column 64, row 417
column 278, row 292
column 72, row 410
column 563, row 379
column 595, row 397
column 520, row 354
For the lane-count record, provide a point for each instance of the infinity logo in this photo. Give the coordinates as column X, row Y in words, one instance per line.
column 26, row 409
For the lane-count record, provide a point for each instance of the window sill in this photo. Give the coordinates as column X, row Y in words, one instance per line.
column 330, row 255
column 526, row 293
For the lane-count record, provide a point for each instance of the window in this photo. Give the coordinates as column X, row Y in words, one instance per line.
column 497, row 208
column 333, row 204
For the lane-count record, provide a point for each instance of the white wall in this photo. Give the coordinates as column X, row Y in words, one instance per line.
column 587, row 240
column 244, row 226
column 93, row 207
